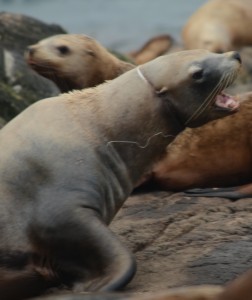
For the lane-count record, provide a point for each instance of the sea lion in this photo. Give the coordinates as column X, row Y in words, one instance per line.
column 74, row 61
column 217, row 154
column 219, row 26
column 238, row 289
column 69, row 162
column 154, row 47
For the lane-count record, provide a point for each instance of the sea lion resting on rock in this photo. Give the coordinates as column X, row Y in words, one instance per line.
column 238, row 289
column 68, row 163
column 217, row 154
column 74, row 61
column 219, row 26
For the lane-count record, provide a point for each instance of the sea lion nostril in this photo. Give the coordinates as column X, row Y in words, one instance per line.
column 30, row 50
column 237, row 56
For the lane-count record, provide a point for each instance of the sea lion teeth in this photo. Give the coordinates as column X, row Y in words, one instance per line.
column 225, row 101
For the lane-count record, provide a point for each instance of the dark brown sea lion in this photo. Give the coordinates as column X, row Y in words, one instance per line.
column 68, row 163
column 219, row 26
column 238, row 289
column 217, row 154
column 74, row 61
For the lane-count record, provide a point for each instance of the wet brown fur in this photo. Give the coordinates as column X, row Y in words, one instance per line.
column 216, row 154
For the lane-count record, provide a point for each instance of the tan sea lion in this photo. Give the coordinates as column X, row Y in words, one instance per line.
column 74, row 61
column 219, row 26
column 238, row 289
column 218, row 154
column 68, row 163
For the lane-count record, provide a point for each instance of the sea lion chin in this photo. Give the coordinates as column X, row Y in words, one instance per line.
column 68, row 163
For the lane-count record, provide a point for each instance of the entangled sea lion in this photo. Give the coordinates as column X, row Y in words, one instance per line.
column 74, row 61
column 68, row 163
column 219, row 26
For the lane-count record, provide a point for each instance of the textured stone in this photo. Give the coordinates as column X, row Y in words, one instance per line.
column 179, row 240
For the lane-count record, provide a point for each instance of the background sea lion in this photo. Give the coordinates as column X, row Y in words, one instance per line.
column 238, row 289
column 217, row 154
column 219, row 26
column 68, row 163
column 87, row 63
column 154, row 47
column 74, row 61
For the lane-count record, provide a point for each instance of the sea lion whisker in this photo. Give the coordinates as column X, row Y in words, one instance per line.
column 199, row 109
column 223, row 83
column 205, row 103
column 138, row 144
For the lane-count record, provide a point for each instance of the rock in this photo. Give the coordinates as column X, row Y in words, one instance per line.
column 20, row 86
column 179, row 240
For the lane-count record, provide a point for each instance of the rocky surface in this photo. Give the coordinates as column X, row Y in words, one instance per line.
column 179, row 240
column 20, row 86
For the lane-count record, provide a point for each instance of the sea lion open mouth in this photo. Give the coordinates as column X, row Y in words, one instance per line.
column 224, row 101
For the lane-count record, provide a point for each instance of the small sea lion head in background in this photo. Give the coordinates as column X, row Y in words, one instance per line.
column 74, row 61
column 199, row 75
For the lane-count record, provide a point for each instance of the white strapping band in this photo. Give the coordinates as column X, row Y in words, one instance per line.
column 141, row 75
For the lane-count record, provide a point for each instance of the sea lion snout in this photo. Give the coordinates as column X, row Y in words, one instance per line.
column 234, row 55
column 30, row 50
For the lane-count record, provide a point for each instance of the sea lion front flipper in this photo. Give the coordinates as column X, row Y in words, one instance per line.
column 232, row 193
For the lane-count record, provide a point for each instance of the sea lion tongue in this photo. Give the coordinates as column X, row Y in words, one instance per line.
column 225, row 101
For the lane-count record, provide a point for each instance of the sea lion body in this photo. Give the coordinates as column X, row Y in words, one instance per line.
column 68, row 163
column 74, row 61
column 219, row 26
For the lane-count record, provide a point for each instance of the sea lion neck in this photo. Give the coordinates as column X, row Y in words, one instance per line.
column 143, row 130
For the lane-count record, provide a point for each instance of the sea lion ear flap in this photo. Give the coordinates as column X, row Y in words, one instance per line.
column 239, row 289
column 162, row 91
column 90, row 52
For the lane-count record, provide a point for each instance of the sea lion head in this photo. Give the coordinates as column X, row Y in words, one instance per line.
column 73, row 60
column 191, row 84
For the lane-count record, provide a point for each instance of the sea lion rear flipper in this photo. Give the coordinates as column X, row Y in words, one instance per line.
column 110, row 265
column 232, row 193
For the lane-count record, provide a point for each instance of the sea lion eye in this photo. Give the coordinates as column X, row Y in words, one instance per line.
column 63, row 50
column 197, row 74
